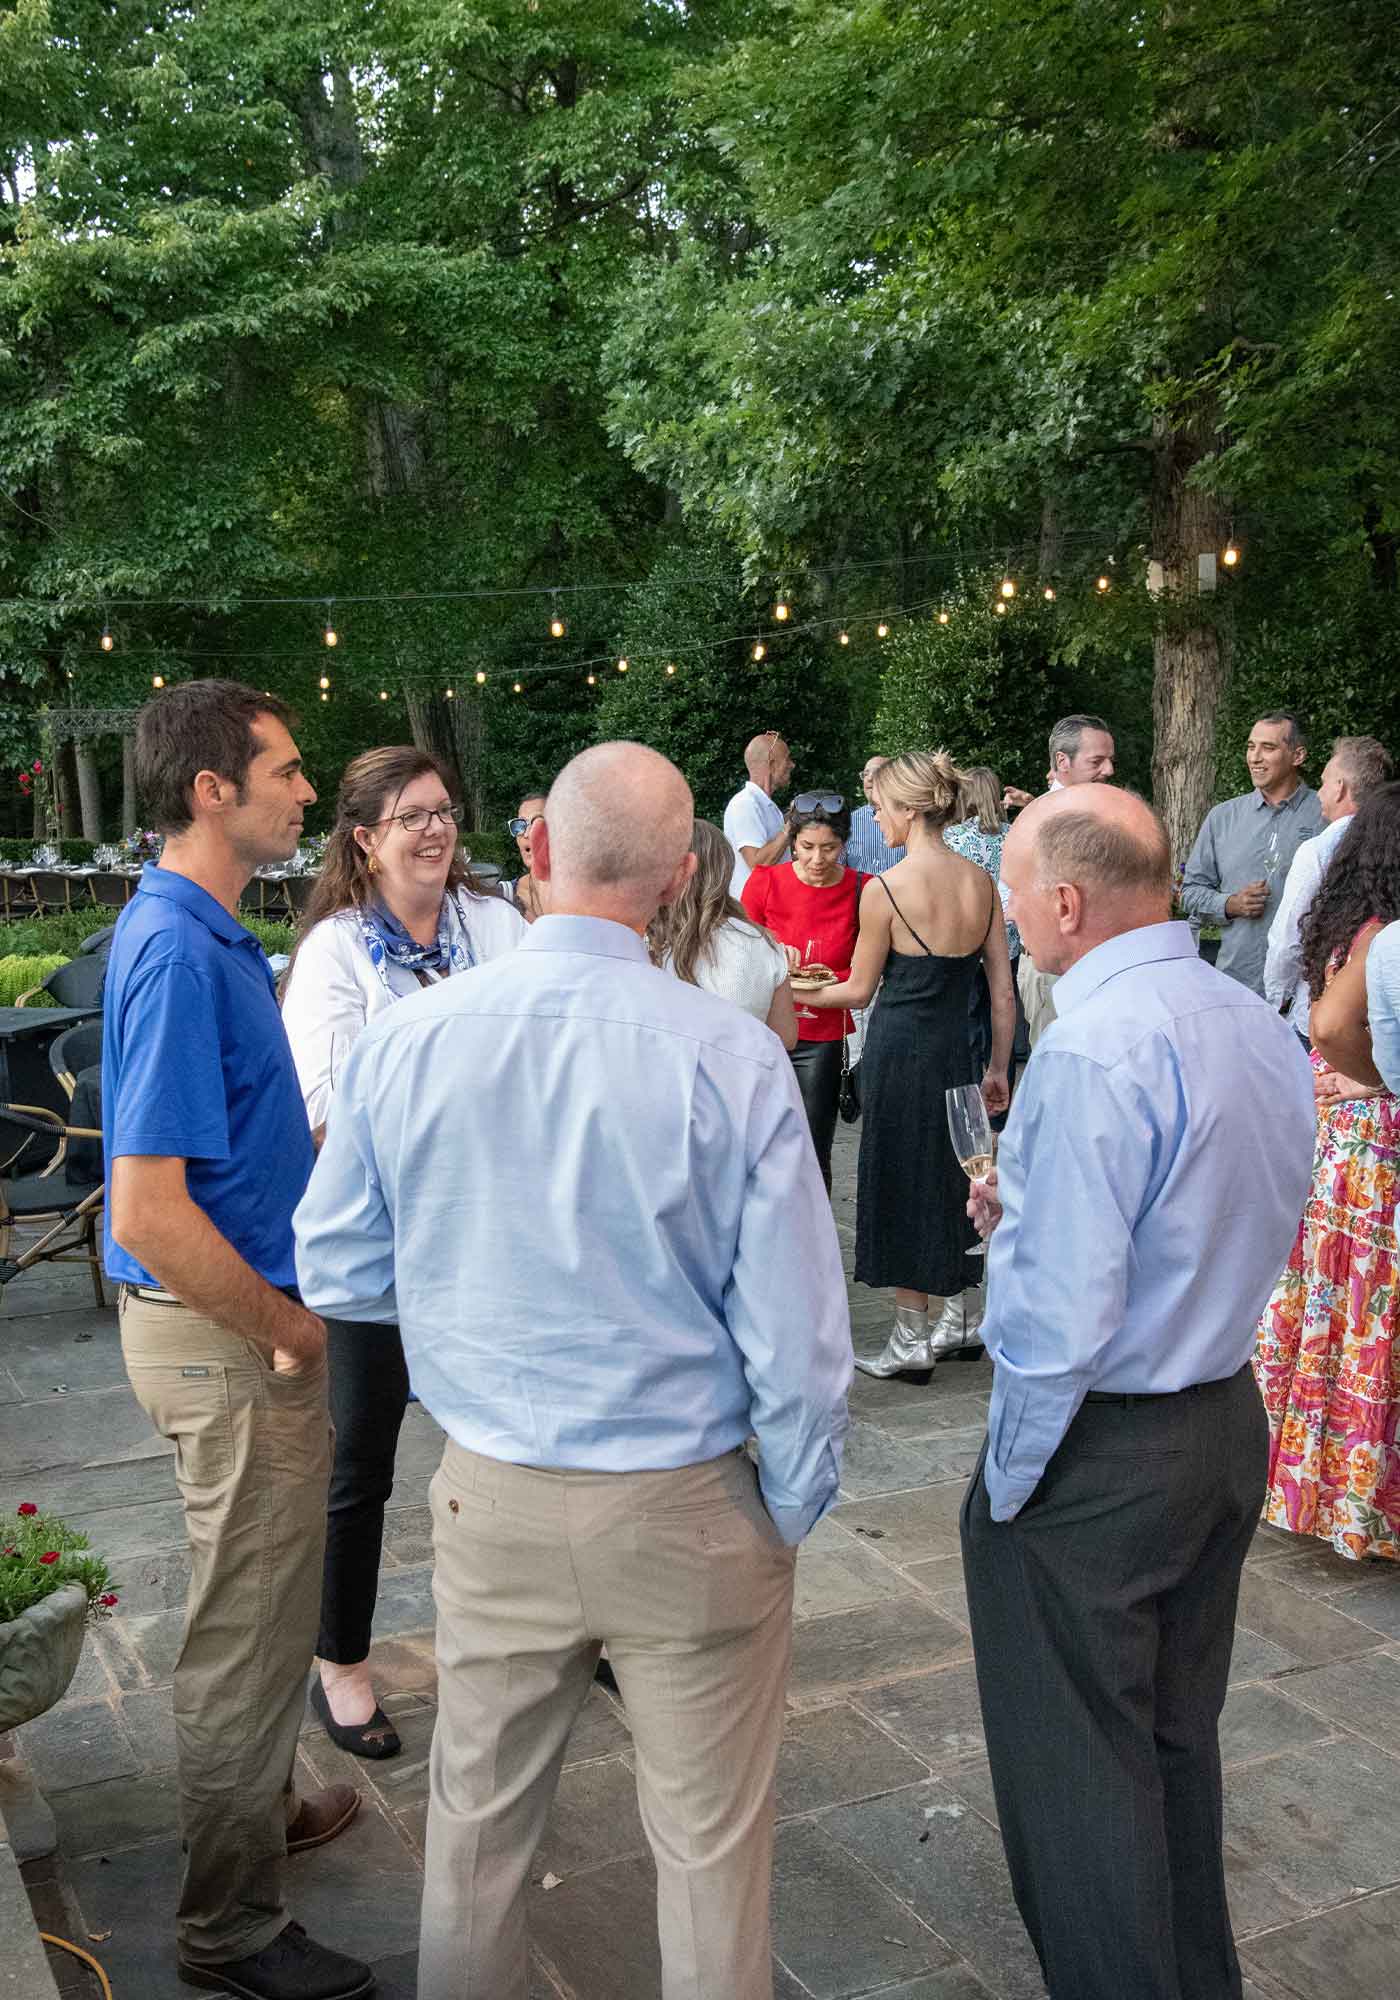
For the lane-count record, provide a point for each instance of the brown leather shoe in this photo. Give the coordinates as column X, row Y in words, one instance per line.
column 321, row 1816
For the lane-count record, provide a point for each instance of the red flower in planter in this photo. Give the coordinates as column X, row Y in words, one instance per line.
column 36, row 766
column 27, row 1507
column 107, row 1598
column 51, row 1557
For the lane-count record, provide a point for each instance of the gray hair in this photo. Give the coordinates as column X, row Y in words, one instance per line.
column 620, row 817
column 1297, row 735
column 1087, row 849
column 1366, row 763
column 1068, row 734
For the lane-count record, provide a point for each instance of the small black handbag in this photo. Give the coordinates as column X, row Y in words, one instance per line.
column 848, row 1102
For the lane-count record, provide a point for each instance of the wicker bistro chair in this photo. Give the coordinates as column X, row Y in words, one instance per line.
column 77, row 984
column 54, row 892
column 16, row 894
column 64, row 1199
column 111, row 890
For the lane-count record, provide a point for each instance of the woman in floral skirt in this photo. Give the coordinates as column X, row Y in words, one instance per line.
column 1328, row 1358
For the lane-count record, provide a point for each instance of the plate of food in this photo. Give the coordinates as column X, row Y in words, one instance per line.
column 808, row 978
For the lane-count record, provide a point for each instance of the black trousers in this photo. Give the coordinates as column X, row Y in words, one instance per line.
column 368, row 1396
column 818, row 1067
column 1102, row 1620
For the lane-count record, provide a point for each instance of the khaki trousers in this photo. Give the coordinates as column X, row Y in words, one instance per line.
column 1037, row 990
column 252, row 1458
column 684, row 1576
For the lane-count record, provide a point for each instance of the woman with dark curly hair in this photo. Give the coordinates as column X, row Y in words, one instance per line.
column 1328, row 1359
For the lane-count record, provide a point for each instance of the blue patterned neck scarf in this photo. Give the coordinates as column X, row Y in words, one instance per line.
column 388, row 943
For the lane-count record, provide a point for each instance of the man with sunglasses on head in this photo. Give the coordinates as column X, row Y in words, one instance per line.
column 753, row 825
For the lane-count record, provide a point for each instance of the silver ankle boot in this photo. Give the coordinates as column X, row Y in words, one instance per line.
column 907, row 1352
column 954, row 1332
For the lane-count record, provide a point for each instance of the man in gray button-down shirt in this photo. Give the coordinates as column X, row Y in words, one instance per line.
column 1243, row 852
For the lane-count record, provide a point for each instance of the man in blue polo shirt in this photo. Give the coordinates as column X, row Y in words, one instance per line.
column 208, row 1153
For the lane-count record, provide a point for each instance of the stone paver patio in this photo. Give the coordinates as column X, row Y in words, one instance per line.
column 889, row 1876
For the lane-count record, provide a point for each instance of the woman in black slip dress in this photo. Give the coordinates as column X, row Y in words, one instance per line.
column 912, row 1230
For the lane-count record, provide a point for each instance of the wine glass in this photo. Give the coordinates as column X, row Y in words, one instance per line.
column 809, row 953
column 974, row 1142
column 1273, row 854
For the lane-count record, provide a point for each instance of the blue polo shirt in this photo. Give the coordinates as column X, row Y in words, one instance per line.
column 195, row 1066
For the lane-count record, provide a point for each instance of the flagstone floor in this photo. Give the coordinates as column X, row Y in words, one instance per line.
column 889, row 1876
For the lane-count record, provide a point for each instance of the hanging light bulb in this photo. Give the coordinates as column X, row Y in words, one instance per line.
column 516, row 688
column 622, row 664
column 106, row 642
column 1049, row 593
column 325, row 683
column 593, row 680
column 157, row 680
column 330, row 635
column 999, row 608
column 759, row 649
column 1230, row 555
column 449, row 694
column 670, row 666
column 943, row 618
column 882, row 630
column 383, row 694
column 1102, row 585
column 843, row 638
column 480, row 678
column 782, row 611
column 324, row 695
column 1008, row 588
column 557, row 627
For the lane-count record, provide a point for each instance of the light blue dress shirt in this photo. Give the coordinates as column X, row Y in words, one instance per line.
column 1152, row 1175
column 1383, row 1003
column 866, row 848
column 587, row 1194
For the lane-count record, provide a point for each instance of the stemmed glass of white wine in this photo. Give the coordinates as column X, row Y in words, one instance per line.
column 974, row 1142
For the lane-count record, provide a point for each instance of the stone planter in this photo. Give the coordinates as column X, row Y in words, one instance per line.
column 39, row 1654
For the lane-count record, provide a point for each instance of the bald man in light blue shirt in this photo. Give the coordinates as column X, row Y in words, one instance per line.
column 587, row 1194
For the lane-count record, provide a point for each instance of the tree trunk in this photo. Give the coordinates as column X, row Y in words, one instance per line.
column 41, row 809
column 1051, row 535
column 1191, row 648
column 431, row 723
column 128, row 785
column 65, row 766
column 89, row 789
column 470, row 731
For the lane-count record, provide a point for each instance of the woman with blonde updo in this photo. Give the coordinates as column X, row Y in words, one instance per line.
column 926, row 927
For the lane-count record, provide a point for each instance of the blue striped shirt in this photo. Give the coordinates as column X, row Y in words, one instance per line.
column 867, row 849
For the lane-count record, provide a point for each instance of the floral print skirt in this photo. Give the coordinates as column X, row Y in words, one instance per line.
column 1328, row 1356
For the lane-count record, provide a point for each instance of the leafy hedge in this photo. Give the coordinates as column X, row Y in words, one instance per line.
column 34, row 937
column 19, row 974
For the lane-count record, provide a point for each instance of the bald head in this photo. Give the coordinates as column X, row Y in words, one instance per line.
column 615, row 838
column 1084, row 865
column 768, row 760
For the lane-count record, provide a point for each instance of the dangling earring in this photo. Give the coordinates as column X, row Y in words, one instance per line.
column 372, row 865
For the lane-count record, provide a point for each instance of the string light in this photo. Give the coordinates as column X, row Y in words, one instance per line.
column 557, row 627
column 516, row 688
column 383, row 694
column 943, row 617
column 882, row 630
column 1049, row 593
column 622, row 664
column 782, row 611
column 593, row 680
column 1102, row 585
column 330, row 635
column 999, row 608
column 324, row 695
column 325, row 683
column 106, row 642
column 670, row 666
column 449, row 694
column 157, row 680
column 843, row 638
column 1231, row 554
column 759, row 649
column 480, row 678
column 1008, row 588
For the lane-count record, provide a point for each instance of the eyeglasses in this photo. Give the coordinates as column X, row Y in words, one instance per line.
column 807, row 802
column 515, row 827
column 417, row 817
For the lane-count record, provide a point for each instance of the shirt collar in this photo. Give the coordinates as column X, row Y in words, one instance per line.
column 1290, row 804
column 1148, row 945
column 597, row 937
column 210, row 911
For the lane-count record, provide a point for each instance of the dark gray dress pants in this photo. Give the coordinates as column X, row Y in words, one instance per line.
column 1102, row 1619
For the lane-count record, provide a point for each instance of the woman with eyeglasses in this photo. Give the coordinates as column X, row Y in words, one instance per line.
column 393, row 910
column 525, row 891
column 811, row 904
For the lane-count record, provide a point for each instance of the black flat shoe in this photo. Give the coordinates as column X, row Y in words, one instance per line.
column 375, row 1738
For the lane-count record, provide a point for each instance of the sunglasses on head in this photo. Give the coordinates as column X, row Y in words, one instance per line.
column 807, row 802
column 515, row 827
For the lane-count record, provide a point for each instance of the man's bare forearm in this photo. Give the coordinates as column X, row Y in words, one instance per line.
column 772, row 851
column 181, row 1248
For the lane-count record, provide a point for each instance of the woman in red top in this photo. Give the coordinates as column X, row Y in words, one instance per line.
column 812, row 906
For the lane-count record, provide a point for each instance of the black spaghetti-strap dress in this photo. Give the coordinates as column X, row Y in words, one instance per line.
column 911, row 1212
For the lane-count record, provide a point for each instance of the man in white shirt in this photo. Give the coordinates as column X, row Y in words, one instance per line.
column 1358, row 764
column 754, row 827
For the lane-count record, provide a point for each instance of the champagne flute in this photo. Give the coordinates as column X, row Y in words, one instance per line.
column 808, row 957
column 974, row 1142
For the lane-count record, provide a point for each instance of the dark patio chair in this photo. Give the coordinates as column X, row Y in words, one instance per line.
column 113, row 892
column 98, row 940
column 250, row 900
column 77, row 984
column 53, row 893
column 64, row 1200
column 74, row 1051
column 297, row 889
column 16, row 896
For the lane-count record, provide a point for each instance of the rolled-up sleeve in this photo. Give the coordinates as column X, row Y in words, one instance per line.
column 787, row 1313
column 344, row 1231
column 1073, row 1174
column 1202, row 894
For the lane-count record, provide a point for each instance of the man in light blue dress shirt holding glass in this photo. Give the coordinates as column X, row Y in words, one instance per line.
column 676, row 1287
column 1151, row 1178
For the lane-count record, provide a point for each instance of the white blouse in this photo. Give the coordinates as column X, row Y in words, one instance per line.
column 333, row 989
column 742, row 965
